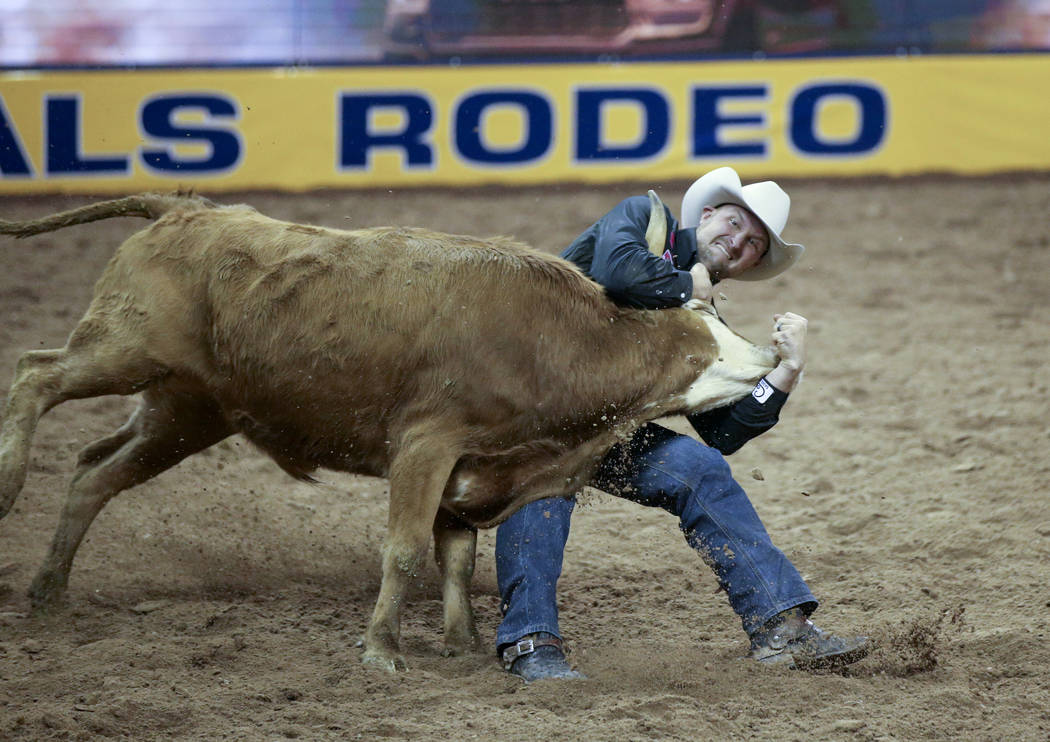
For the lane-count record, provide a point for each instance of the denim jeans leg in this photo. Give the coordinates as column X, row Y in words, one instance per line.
column 529, row 549
column 660, row 468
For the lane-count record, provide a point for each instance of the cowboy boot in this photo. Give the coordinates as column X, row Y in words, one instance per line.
column 792, row 640
column 539, row 656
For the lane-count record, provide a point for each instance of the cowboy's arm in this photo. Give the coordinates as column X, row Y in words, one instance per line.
column 728, row 428
column 622, row 263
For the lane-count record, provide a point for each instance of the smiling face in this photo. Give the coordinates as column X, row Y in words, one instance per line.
column 729, row 240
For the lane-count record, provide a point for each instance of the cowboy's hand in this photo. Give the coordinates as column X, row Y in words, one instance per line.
column 789, row 337
column 702, row 288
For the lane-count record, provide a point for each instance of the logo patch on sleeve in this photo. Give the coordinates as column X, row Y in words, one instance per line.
column 762, row 391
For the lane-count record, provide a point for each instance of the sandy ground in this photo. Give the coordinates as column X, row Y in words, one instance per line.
column 908, row 479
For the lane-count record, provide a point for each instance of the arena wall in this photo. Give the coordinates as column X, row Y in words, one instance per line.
column 119, row 130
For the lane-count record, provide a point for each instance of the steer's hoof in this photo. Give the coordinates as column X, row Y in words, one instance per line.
column 46, row 594
column 392, row 663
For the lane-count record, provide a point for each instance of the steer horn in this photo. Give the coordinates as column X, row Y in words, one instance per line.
column 656, row 232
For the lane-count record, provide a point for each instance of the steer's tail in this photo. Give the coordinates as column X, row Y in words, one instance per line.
column 147, row 205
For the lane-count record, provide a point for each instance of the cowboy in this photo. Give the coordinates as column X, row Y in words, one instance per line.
column 727, row 231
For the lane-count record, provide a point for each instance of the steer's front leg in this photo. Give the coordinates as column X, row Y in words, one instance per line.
column 418, row 474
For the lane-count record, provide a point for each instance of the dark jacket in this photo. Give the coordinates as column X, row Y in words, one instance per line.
column 614, row 253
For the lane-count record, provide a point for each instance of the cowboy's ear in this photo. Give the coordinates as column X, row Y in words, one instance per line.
column 706, row 213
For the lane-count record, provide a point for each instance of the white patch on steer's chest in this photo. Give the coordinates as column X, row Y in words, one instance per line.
column 733, row 374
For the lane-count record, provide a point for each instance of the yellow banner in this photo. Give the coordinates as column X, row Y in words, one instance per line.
column 363, row 127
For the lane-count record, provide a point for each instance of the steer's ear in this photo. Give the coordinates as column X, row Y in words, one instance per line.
column 656, row 232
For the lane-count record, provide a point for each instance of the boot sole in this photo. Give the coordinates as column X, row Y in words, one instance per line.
column 831, row 661
column 827, row 661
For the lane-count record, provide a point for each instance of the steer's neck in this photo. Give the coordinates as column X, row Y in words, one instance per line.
column 642, row 364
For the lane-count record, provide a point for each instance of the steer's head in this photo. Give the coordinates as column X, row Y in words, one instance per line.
column 736, row 368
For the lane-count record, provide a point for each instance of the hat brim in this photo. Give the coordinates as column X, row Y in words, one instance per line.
column 722, row 186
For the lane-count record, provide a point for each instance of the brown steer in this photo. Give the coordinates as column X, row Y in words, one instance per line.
column 477, row 374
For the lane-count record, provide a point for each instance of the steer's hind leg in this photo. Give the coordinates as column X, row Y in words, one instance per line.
column 166, row 428
column 89, row 366
column 454, row 548
column 418, row 474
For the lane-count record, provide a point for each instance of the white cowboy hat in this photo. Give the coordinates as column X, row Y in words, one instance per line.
column 766, row 200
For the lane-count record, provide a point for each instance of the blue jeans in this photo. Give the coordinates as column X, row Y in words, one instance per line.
column 656, row 468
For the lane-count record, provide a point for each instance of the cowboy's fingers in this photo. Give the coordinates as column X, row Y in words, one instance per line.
column 789, row 317
column 785, row 341
column 790, row 346
column 702, row 288
column 790, row 320
column 788, row 351
column 790, row 341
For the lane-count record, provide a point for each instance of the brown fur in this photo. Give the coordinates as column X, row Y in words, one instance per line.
column 478, row 375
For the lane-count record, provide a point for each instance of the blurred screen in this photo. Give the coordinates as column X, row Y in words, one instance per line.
column 320, row 32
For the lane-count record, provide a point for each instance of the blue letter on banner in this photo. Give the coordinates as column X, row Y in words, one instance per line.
column 13, row 160
column 356, row 140
column 538, row 119
column 707, row 120
column 589, row 124
column 872, row 114
column 62, row 137
column 157, row 121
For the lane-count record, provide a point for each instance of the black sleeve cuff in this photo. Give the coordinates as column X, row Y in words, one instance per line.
column 728, row 428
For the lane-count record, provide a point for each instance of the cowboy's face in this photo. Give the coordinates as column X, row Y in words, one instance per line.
column 729, row 240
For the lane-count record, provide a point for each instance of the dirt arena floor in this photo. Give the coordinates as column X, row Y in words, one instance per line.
column 909, row 480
